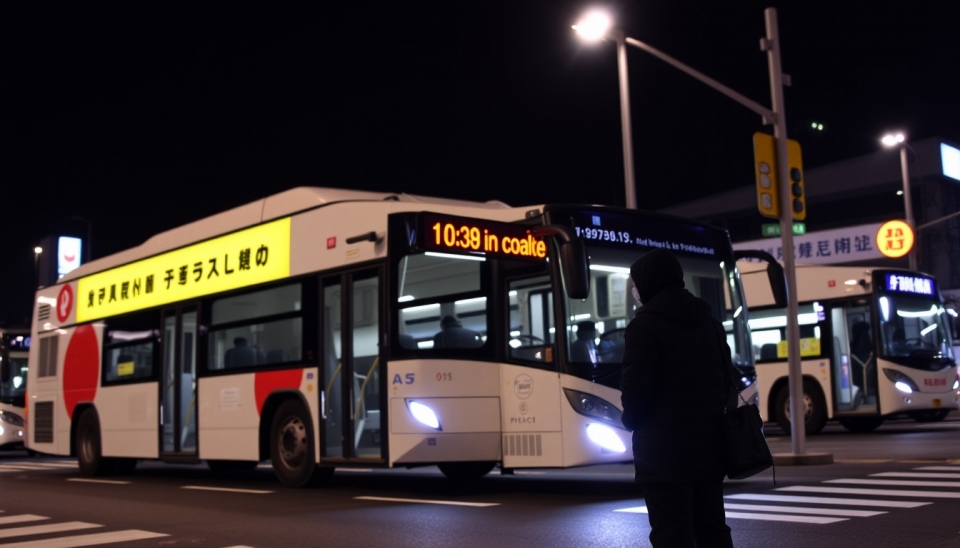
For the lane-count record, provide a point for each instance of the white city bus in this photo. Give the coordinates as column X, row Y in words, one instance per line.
column 874, row 343
column 305, row 329
column 14, row 344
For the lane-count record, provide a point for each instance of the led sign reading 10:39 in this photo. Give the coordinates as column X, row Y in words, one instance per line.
column 465, row 235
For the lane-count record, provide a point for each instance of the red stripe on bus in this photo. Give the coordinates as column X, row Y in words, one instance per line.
column 80, row 368
column 266, row 382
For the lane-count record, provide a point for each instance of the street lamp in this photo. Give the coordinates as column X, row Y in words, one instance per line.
column 593, row 27
column 891, row 140
column 36, row 264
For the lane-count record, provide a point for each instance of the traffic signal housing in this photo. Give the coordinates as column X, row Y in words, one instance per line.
column 768, row 187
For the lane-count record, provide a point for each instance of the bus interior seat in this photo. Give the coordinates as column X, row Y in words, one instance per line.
column 277, row 355
column 768, row 351
column 242, row 355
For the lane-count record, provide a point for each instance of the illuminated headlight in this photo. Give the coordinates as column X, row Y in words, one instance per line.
column 605, row 437
column 11, row 418
column 956, row 384
column 594, row 407
column 901, row 382
column 424, row 414
column 1, row 430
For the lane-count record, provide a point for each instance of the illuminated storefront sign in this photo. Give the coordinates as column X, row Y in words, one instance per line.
column 842, row 245
column 895, row 239
column 255, row 255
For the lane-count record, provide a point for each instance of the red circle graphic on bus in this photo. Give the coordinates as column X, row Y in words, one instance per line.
column 267, row 381
column 80, row 368
column 64, row 303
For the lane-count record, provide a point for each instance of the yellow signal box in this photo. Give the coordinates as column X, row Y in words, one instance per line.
column 798, row 200
column 765, row 165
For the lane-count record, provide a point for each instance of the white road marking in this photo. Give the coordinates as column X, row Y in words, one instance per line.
column 88, row 480
column 423, row 501
column 22, row 518
column 23, row 466
column 227, row 490
column 41, row 529
column 875, row 492
column 905, row 483
column 762, row 517
column 830, row 500
column 87, row 540
column 804, row 510
column 940, row 468
column 941, row 475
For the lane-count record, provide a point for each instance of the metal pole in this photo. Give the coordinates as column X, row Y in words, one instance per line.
column 628, row 180
column 908, row 206
column 797, row 405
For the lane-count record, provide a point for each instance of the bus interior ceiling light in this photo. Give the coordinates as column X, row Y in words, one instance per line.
column 605, row 437
column 424, row 414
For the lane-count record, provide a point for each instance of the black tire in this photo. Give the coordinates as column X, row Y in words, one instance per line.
column 861, row 424
column 291, row 445
column 87, row 446
column 464, row 471
column 32, row 453
column 816, row 408
column 930, row 415
column 230, row 466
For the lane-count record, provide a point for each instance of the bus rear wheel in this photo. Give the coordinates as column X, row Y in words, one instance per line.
column 462, row 471
column 291, row 445
column 815, row 408
column 87, row 446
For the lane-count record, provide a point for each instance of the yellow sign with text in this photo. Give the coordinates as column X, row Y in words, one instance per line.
column 252, row 256
column 895, row 238
column 808, row 347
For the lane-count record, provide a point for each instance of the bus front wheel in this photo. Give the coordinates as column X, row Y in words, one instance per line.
column 815, row 408
column 87, row 446
column 466, row 470
column 291, row 445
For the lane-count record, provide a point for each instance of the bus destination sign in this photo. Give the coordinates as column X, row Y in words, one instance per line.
column 915, row 285
column 479, row 237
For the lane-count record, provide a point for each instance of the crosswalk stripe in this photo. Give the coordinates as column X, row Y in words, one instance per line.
column 830, row 500
column 23, row 466
column 91, row 480
column 941, row 475
column 904, row 483
column 227, row 490
column 426, row 501
column 87, row 540
column 51, row 528
column 874, row 492
column 822, row 520
column 940, row 468
column 22, row 518
column 804, row 510
column 762, row 517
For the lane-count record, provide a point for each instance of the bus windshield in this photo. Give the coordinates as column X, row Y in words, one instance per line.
column 13, row 388
column 913, row 329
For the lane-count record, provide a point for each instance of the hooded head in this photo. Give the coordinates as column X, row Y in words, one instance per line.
column 655, row 271
column 449, row 321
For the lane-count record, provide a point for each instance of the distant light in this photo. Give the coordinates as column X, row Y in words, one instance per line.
column 851, row 282
column 892, row 139
column 817, row 126
column 593, row 26
column 899, row 193
column 38, row 250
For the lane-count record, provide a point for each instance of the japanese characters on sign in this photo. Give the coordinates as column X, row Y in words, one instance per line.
column 243, row 258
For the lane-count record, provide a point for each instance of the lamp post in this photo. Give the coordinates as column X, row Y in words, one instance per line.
column 891, row 140
column 593, row 27
column 36, row 264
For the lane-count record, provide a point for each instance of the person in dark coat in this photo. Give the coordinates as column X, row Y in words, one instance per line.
column 674, row 388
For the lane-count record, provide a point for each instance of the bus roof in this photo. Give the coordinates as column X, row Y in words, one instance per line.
column 276, row 206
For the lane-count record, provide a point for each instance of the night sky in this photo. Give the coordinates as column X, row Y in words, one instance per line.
column 139, row 121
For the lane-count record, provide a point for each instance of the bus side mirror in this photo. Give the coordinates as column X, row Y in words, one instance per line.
column 775, row 274
column 576, row 269
column 574, row 263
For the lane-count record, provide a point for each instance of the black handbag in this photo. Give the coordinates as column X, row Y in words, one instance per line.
column 745, row 448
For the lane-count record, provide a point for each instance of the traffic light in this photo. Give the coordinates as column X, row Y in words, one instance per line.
column 765, row 165
column 798, row 199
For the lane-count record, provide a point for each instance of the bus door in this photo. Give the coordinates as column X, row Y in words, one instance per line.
column 854, row 361
column 351, row 400
column 178, row 387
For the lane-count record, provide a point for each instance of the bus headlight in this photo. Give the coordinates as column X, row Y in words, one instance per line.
column 594, row 407
column 424, row 414
column 956, row 384
column 605, row 437
column 11, row 418
column 901, row 382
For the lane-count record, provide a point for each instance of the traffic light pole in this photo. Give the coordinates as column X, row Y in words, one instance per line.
column 797, row 405
column 771, row 44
